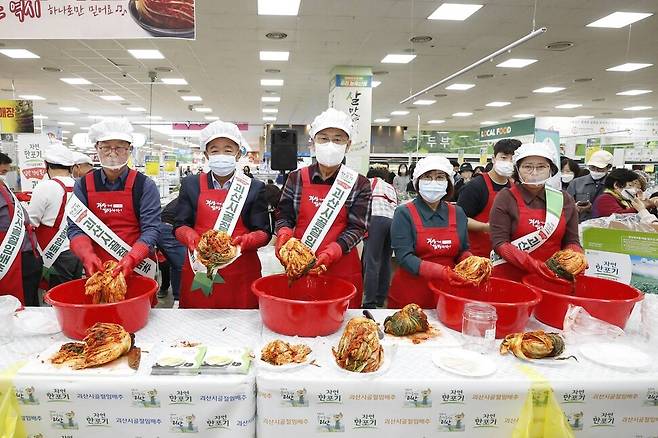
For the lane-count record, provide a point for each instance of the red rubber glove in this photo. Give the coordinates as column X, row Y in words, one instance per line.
column 436, row 271
column 282, row 236
column 463, row 256
column 525, row 261
column 328, row 256
column 134, row 257
column 251, row 241
column 188, row 237
column 81, row 247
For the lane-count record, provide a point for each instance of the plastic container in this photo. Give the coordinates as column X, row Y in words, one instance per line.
column 607, row 300
column 311, row 306
column 479, row 326
column 75, row 312
column 514, row 303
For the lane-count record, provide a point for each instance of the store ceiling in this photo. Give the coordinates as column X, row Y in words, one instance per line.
column 223, row 67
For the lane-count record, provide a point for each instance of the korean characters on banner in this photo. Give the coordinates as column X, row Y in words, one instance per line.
column 30, row 159
column 16, row 116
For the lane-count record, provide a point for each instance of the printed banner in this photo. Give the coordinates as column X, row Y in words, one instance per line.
column 30, row 159
column 170, row 163
column 97, row 19
column 152, row 165
column 16, row 116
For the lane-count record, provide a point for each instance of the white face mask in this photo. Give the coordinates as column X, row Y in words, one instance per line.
column 567, row 177
column 504, row 168
column 535, row 179
column 432, row 191
column 629, row 193
column 112, row 164
column 221, row 165
column 330, row 154
column 597, row 175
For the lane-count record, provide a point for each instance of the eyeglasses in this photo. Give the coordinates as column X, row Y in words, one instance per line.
column 322, row 139
column 117, row 149
column 529, row 168
column 435, row 178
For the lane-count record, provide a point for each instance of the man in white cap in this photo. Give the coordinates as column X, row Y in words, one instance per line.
column 82, row 164
column 340, row 193
column 223, row 199
column 47, row 214
column 114, row 201
column 585, row 189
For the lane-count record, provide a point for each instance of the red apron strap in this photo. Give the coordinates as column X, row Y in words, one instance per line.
column 90, row 183
column 203, row 183
column 306, row 175
column 452, row 223
column 517, row 195
column 60, row 213
column 415, row 216
column 10, row 202
column 373, row 183
column 489, row 183
column 130, row 180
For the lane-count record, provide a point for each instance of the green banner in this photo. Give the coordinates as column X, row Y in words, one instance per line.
column 444, row 142
column 506, row 130
column 621, row 241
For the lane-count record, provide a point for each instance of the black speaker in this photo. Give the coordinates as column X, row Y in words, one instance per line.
column 284, row 149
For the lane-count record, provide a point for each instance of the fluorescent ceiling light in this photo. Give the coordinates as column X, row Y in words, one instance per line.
column 381, row 120
column 269, row 119
column 633, row 92
column 584, row 117
column 424, row 102
column 376, row 84
column 75, row 81
column 278, row 7
column 548, row 90
column 85, row 128
column 523, row 116
column 66, row 123
column 19, row 54
column 31, row 97
column 568, row 106
column 174, row 81
column 462, row 114
column 619, row 19
column 69, row 109
column 270, row 110
column 271, row 99
column 489, row 122
column 435, row 121
column 498, row 104
column 271, row 82
column 40, row 117
column 629, row 66
column 399, row 113
column 641, row 118
column 460, row 87
column 637, row 108
column 454, row 11
column 211, row 118
column 516, row 63
column 154, row 117
column 112, row 98
column 392, row 58
column 66, row 132
column 274, row 56
column 203, row 109
column 191, row 98
column 136, row 109
column 146, row 54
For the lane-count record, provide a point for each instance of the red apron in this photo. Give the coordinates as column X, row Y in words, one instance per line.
column 235, row 292
column 407, row 288
column 480, row 242
column 347, row 267
column 45, row 233
column 12, row 282
column 527, row 217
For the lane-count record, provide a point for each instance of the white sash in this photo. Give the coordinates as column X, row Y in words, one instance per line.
column 100, row 233
column 56, row 245
column 13, row 241
column 532, row 241
column 328, row 212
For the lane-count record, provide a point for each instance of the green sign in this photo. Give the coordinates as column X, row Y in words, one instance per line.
column 353, row 81
column 443, row 142
column 511, row 129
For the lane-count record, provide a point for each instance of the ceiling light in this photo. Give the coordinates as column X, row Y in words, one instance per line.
column 274, row 56
column 568, row 106
column 136, row 109
column 66, row 123
column 548, row 90
column 454, row 11
column 381, row 120
column 69, row 109
column 584, row 117
column 278, row 7
column 271, row 82
column 523, row 116
column 397, row 59
column 203, row 109
column 637, row 108
column 85, row 128
column 619, row 19
column 174, row 81
column 146, row 54
column 270, row 110
column 191, row 98
column 154, row 117
column 633, row 92
column 31, row 97
column 462, row 114
column 211, row 118
column 66, row 132
column 376, row 84
column 424, row 102
column 516, row 63
column 112, row 98
column 489, row 122
column 75, row 81
column 641, row 118
column 269, row 119
column 271, row 99
column 40, row 117
column 460, row 87
column 629, row 66
column 399, row 113
column 435, row 122
column 498, row 104
column 19, row 53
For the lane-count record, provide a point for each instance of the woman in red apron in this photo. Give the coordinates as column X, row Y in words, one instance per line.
column 199, row 205
column 425, row 236
column 521, row 210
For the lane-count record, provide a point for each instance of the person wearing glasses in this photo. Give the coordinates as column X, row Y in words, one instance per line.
column 531, row 221
column 429, row 236
column 341, row 194
column 124, row 200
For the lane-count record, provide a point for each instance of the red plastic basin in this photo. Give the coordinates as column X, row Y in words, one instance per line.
column 312, row 306
column 607, row 300
column 514, row 303
column 75, row 312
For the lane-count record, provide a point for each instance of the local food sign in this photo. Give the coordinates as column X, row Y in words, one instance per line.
column 505, row 130
column 97, row 19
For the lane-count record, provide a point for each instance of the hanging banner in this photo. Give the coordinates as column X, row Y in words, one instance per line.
column 508, row 130
column 97, row 19
column 170, row 163
column 16, row 116
column 152, row 165
column 30, row 160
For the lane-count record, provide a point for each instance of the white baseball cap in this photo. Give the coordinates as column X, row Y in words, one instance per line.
column 600, row 159
column 219, row 129
column 433, row 162
column 111, row 129
column 80, row 158
column 332, row 118
column 57, row 153
column 545, row 150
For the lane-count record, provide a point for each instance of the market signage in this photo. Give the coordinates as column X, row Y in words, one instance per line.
column 97, row 19
column 30, row 159
column 505, row 130
column 16, row 116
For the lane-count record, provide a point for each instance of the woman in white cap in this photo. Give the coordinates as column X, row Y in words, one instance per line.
column 343, row 196
column 82, row 164
column 429, row 236
column 47, row 214
column 531, row 220
column 125, row 202
column 222, row 199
